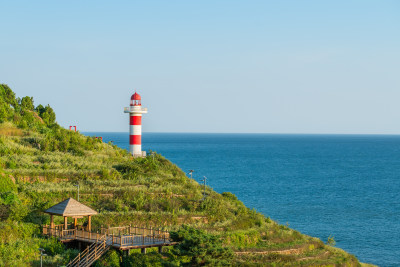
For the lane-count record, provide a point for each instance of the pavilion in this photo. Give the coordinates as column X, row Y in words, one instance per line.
column 70, row 208
column 123, row 238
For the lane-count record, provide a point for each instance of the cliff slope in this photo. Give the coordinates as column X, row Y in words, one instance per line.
column 42, row 162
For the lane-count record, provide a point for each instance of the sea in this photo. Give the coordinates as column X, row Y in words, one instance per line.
column 345, row 186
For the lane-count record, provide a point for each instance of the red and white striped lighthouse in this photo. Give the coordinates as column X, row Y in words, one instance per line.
column 135, row 125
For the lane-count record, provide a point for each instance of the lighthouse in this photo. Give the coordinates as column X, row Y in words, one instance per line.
column 135, row 111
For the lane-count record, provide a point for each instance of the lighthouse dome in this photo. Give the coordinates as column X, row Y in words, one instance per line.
column 136, row 100
column 136, row 96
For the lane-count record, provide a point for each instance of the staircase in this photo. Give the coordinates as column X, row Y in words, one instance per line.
column 91, row 253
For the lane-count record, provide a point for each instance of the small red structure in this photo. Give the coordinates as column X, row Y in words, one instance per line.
column 70, row 128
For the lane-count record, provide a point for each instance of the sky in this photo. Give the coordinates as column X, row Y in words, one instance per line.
column 231, row 66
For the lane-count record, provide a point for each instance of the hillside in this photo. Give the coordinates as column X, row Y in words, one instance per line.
column 41, row 162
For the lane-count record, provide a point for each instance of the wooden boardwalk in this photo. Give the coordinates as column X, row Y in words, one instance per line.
column 123, row 238
column 100, row 241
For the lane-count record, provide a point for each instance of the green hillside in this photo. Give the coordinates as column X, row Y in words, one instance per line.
column 42, row 162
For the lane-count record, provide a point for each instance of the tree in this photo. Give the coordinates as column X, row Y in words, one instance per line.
column 27, row 103
column 8, row 95
column 4, row 111
column 40, row 109
column 202, row 248
column 7, row 103
column 47, row 114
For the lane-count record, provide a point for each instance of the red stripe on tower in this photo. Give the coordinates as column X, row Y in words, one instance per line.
column 136, row 139
column 131, row 139
column 136, row 120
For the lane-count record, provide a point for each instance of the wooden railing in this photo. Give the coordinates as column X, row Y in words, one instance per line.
column 91, row 253
column 126, row 236
column 138, row 240
column 57, row 232
column 133, row 230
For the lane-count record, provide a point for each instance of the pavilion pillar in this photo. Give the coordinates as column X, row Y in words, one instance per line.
column 75, row 222
column 51, row 221
column 65, row 223
column 89, row 223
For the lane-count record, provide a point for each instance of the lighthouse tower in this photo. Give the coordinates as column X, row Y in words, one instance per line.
column 135, row 125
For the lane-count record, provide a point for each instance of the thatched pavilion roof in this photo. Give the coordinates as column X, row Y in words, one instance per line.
column 70, row 207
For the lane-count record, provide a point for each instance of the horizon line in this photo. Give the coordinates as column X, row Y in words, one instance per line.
column 127, row 132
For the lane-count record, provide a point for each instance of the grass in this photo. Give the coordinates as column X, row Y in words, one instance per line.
column 8, row 129
column 143, row 191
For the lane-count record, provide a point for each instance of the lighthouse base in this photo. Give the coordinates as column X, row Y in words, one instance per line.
column 136, row 151
column 142, row 154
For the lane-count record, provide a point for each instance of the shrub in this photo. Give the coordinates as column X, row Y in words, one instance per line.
column 331, row 241
column 10, row 232
column 6, row 184
column 243, row 239
column 201, row 248
column 110, row 259
column 230, row 196
column 145, row 260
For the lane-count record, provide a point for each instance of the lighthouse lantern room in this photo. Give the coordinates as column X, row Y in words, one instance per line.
column 135, row 111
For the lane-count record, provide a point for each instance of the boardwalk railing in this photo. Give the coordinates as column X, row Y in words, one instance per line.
column 60, row 233
column 91, row 253
column 133, row 230
column 121, row 237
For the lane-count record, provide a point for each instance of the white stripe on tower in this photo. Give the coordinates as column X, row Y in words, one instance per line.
column 136, row 129
column 135, row 132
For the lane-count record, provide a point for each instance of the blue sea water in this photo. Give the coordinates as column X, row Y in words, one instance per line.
column 346, row 186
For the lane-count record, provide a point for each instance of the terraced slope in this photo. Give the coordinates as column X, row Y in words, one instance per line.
column 41, row 163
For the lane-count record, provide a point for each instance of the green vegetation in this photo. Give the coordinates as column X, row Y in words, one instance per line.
column 331, row 241
column 201, row 248
column 41, row 162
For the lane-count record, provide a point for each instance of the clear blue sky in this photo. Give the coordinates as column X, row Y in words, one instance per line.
column 286, row 66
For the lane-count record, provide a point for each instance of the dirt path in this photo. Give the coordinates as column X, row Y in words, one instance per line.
column 291, row 251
